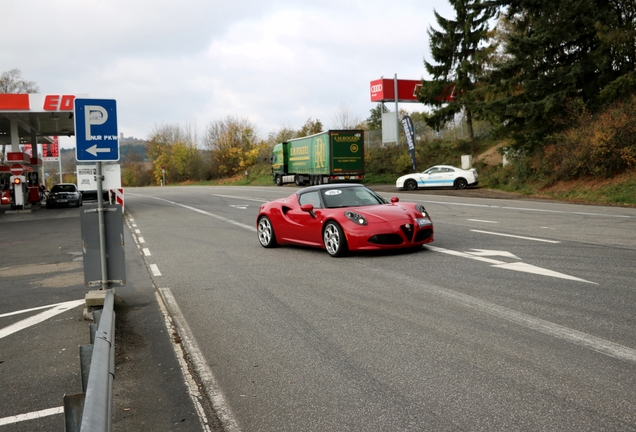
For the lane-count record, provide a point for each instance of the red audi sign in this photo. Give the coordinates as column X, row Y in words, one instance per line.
column 383, row 90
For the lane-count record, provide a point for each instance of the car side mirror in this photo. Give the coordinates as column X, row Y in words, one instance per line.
column 394, row 200
column 309, row 208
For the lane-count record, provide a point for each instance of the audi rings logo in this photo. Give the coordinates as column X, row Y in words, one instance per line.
column 376, row 88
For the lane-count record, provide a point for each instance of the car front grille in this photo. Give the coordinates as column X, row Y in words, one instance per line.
column 408, row 231
column 386, row 239
column 423, row 235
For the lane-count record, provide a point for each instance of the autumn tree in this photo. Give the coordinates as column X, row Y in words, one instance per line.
column 175, row 148
column 233, row 145
column 311, row 127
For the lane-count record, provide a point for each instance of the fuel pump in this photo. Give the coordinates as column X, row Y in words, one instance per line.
column 18, row 191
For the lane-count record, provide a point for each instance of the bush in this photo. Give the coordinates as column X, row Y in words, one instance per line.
column 603, row 145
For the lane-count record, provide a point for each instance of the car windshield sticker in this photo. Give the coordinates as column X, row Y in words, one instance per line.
column 333, row 192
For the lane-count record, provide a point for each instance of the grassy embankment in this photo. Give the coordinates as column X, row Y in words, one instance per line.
column 620, row 190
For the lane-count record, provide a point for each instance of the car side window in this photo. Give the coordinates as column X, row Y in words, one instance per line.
column 310, row 198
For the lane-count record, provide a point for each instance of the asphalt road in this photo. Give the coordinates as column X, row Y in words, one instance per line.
column 42, row 324
column 520, row 316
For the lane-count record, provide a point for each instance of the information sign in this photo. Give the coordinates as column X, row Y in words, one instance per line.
column 96, row 130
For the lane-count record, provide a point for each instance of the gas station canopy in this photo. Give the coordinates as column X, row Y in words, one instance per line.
column 34, row 118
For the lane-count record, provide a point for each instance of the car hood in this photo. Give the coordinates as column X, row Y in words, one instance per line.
column 384, row 212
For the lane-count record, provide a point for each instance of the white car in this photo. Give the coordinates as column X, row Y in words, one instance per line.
column 439, row 175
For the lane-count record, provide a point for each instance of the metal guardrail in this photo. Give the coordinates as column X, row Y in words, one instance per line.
column 92, row 409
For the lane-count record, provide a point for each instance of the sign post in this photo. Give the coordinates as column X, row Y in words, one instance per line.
column 97, row 140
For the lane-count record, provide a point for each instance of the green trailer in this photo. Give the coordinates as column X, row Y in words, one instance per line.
column 327, row 157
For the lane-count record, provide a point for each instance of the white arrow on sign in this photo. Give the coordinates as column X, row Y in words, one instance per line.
column 517, row 266
column 94, row 150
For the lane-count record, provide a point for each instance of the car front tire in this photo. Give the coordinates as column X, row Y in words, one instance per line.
column 265, row 232
column 334, row 240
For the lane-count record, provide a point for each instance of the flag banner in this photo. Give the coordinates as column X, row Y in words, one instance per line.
column 409, row 132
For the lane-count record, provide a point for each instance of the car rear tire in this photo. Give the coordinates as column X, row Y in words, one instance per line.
column 461, row 183
column 265, row 231
column 334, row 240
column 410, row 184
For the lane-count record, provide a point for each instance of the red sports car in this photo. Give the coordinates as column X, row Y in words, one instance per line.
column 342, row 218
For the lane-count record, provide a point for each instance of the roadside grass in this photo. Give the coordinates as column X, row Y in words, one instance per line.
column 619, row 190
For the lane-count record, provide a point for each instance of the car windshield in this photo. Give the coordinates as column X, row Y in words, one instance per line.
column 63, row 188
column 350, row 197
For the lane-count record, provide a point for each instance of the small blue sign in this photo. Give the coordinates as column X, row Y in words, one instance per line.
column 96, row 132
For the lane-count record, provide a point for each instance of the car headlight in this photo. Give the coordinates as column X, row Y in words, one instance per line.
column 420, row 208
column 425, row 219
column 355, row 217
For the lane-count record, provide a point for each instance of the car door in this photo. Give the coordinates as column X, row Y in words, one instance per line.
column 447, row 177
column 305, row 227
column 431, row 177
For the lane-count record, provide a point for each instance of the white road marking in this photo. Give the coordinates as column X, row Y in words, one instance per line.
column 141, row 240
column 55, row 309
column 221, row 218
column 30, row 416
column 240, row 206
column 137, row 231
column 155, row 270
column 483, row 221
column 210, row 384
column 240, row 198
column 520, row 267
column 486, row 252
column 585, row 340
column 193, row 388
column 146, row 252
column 529, row 209
column 516, row 236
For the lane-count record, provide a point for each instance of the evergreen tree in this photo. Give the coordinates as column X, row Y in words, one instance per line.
column 374, row 121
column 554, row 65
column 460, row 54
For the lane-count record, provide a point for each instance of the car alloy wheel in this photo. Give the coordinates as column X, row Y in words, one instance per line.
column 410, row 184
column 334, row 239
column 265, row 231
column 461, row 183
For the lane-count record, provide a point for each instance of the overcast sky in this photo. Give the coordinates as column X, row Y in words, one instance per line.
column 194, row 62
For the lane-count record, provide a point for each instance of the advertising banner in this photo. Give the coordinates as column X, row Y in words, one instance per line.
column 409, row 133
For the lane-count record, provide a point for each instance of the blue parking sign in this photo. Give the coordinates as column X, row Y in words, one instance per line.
column 97, row 139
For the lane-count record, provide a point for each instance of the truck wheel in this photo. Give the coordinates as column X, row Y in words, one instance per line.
column 298, row 181
column 278, row 180
column 265, row 231
column 334, row 239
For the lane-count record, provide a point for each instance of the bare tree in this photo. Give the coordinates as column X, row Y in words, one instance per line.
column 12, row 82
column 344, row 119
